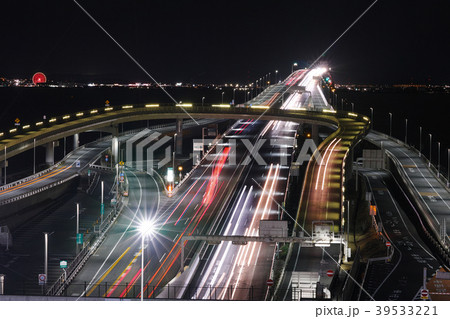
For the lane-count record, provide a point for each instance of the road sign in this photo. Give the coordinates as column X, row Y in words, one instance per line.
column 170, row 175
column 269, row 282
column 63, row 264
column 424, row 294
column 42, row 279
column 79, row 238
column 330, row 273
column 77, row 164
column 121, row 163
column 17, row 122
column 106, row 103
column 388, row 244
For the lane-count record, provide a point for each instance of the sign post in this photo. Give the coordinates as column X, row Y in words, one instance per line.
column 424, row 294
column 42, row 278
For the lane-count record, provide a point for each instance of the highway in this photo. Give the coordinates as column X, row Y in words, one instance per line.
column 401, row 277
column 76, row 162
column 220, row 197
column 241, row 272
column 196, row 207
column 432, row 194
column 183, row 214
column 66, row 169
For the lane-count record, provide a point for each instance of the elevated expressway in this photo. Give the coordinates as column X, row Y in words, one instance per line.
column 350, row 128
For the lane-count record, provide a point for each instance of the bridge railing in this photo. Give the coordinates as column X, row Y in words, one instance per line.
column 438, row 174
column 36, row 191
column 101, row 114
column 63, row 281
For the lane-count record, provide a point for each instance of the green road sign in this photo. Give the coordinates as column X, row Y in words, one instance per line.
column 79, row 238
column 63, row 264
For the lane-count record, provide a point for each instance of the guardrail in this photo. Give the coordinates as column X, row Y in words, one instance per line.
column 77, row 264
column 62, row 126
column 38, row 190
column 442, row 245
column 39, row 174
column 438, row 174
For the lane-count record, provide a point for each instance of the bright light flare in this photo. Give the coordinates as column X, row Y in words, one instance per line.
column 147, row 228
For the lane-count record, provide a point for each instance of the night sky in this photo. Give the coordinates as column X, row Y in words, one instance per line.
column 397, row 41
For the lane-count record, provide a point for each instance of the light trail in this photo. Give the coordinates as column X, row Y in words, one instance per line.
column 326, row 165
column 321, row 163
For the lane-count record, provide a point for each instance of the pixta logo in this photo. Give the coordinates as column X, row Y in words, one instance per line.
column 152, row 142
column 254, row 151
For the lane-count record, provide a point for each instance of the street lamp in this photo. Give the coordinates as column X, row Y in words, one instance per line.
column 448, row 167
column 34, row 156
column 439, row 159
column 292, row 69
column 371, row 116
column 234, row 95
column 203, row 100
column 429, row 163
column 46, row 256
column 146, row 229
column 173, row 158
column 390, row 124
column 222, row 96
column 420, row 141
column 78, row 224
column 353, row 107
column 406, row 131
column 276, row 76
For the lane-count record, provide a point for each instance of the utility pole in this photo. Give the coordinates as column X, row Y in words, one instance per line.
column 46, row 256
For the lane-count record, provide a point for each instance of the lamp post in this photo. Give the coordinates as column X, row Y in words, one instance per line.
column 420, row 141
column 448, row 167
column 46, row 256
column 234, row 95
column 390, row 124
column 248, row 95
column 276, row 76
column 146, row 229
column 439, row 159
column 203, row 100
column 406, row 131
column 353, row 107
column 222, row 96
column 371, row 116
column 34, row 156
column 2, row 284
column 173, row 157
column 429, row 163
column 78, row 225
column 102, row 207
column 5, row 164
column 342, row 104
column 292, row 69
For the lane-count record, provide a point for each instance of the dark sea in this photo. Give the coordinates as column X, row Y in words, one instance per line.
column 426, row 109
